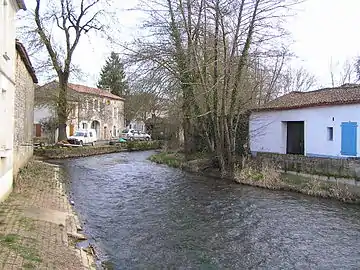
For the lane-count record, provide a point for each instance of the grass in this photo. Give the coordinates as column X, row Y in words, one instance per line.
column 27, row 223
column 13, row 242
column 268, row 177
column 171, row 159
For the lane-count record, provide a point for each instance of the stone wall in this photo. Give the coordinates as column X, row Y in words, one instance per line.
column 23, row 116
column 106, row 113
column 338, row 168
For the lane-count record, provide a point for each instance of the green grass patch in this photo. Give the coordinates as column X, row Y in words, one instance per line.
column 27, row 223
column 171, row 159
column 13, row 242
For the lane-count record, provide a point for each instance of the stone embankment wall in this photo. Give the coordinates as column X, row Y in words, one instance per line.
column 338, row 168
column 72, row 152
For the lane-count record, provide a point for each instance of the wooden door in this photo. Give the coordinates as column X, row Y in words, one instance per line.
column 71, row 129
column 38, row 130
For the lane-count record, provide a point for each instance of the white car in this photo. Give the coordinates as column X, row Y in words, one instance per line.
column 132, row 135
column 82, row 137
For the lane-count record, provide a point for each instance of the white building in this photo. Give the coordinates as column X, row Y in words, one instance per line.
column 8, row 9
column 322, row 123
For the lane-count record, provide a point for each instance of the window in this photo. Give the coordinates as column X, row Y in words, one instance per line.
column 94, row 106
column 98, row 105
column 90, row 133
column 330, row 133
column 84, row 125
column 79, row 134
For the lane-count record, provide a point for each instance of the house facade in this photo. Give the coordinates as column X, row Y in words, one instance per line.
column 139, row 123
column 25, row 79
column 88, row 108
column 8, row 11
column 321, row 123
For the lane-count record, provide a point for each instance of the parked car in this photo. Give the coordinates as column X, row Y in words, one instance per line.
column 144, row 136
column 82, row 137
column 132, row 135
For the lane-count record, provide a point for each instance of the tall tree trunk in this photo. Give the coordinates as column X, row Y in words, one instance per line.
column 189, row 147
column 62, row 111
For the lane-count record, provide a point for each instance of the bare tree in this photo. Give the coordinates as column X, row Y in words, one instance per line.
column 56, row 27
column 341, row 75
column 298, row 80
column 208, row 48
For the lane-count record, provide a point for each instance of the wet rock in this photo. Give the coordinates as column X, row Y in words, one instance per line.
column 77, row 236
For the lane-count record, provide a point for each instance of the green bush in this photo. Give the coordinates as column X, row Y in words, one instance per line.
column 141, row 145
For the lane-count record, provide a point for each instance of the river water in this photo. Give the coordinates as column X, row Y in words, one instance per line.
column 148, row 216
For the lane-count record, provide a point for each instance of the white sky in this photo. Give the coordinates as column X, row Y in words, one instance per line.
column 326, row 29
column 321, row 31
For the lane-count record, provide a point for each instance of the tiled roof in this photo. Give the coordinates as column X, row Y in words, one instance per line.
column 345, row 94
column 26, row 60
column 93, row 91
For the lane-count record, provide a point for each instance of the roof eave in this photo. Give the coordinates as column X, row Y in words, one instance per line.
column 325, row 104
column 25, row 58
column 21, row 4
column 97, row 95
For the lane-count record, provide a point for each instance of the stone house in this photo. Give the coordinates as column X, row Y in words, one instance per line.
column 25, row 79
column 88, row 108
column 8, row 10
column 323, row 123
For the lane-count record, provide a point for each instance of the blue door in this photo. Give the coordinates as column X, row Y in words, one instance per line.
column 348, row 138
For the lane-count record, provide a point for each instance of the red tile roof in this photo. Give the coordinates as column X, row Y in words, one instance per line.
column 93, row 91
column 345, row 94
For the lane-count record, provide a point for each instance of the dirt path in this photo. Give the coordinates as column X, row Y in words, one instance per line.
column 38, row 228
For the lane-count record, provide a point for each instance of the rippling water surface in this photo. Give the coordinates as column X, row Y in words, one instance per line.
column 148, row 216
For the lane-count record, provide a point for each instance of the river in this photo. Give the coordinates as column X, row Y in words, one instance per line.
column 148, row 216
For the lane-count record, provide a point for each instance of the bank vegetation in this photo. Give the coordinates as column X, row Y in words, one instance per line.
column 263, row 175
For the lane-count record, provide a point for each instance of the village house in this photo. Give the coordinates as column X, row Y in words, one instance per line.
column 140, row 122
column 24, row 108
column 321, row 123
column 88, row 108
column 8, row 11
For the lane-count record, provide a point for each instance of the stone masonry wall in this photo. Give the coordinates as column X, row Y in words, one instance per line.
column 23, row 115
column 338, row 168
column 109, row 113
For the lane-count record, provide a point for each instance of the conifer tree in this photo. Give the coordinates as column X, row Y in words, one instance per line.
column 113, row 76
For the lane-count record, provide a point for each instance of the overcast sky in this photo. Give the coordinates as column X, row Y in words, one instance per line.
column 321, row 31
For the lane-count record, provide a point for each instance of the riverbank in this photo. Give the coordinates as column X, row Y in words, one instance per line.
column 58, row 152
column 38, row 226
column 267, row 176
